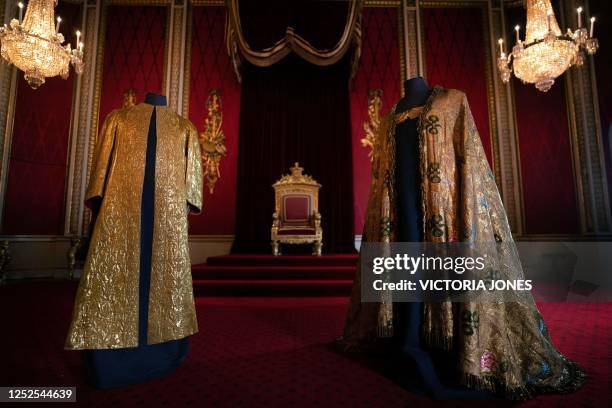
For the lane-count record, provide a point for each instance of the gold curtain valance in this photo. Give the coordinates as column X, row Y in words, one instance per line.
column 238, row 47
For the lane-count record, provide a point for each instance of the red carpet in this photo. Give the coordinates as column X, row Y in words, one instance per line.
column 267, row 275
column 266, row 352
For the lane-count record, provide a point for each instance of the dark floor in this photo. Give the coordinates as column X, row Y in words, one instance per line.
column 269, row 352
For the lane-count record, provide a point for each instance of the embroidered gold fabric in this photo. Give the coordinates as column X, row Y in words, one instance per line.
column 105, row 314
column 501, row 346
column 409, row 114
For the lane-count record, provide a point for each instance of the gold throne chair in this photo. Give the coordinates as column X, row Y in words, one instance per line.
column 296, row 218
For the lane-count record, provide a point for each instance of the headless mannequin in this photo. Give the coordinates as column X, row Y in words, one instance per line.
column 409, row 229
column 155, row 99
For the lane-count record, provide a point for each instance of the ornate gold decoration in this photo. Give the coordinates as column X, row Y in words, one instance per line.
column 371, row 126
column 212, row 140
column 546, row 53
column 75, row 245
column 291, row 184
column 34, row 45
column 5, row 258
column 129, row 98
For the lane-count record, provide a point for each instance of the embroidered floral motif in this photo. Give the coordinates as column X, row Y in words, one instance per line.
column 488, row 362
column 437, row 225
column 470, row 322
column 484, row 203
column 433, row 172
column 432, row 125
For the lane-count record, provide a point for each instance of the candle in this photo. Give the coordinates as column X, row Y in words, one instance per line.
column 78, row 40
column 59, row 20
column 517, row 28
column 81, row 46
column 20, row 5
column 501, row 46
column 592, row 26
column 579, row 11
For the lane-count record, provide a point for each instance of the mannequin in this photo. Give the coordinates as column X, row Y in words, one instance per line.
column 409, row 229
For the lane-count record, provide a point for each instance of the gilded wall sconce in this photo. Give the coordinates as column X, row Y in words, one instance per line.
column 212, row 140
column 371, row 126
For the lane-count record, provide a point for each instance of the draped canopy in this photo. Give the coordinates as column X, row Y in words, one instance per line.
column 264, row 32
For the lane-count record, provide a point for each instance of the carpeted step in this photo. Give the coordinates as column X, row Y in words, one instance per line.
column 284, row 287
column 284, row 260
column 267, row 272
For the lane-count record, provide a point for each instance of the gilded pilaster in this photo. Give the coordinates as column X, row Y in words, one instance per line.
column 589, row 167
column 8, row 85
column 411, row 49
column 176, row 55
column 508, row 170
column 82, row 123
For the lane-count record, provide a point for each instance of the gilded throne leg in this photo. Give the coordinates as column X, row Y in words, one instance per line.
column 316, row 249
column 276, row 248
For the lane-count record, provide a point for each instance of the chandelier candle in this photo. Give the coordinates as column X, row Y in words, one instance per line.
column 579, row 11
column 59, row 20
column 517, row 29
column 20, row 5
column 592, row 27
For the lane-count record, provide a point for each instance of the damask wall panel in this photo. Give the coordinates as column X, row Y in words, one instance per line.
column 455, row 57
column 211, row 68
column 34, row 201
column 379, row 68
column 549, row 192
column 134, row 47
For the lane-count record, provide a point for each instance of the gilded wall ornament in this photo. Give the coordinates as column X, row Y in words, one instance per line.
column 371, row 126
column 129, row 98
column 212, row 140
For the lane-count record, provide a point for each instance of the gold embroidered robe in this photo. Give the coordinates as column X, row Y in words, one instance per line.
column 106, row 314
column 501, row 346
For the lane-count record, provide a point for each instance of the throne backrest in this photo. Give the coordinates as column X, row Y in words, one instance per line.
column 296, row 208
column 296, row 197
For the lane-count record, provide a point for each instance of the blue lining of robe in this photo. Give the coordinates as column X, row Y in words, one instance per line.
column 120, row 367
column 430, row 366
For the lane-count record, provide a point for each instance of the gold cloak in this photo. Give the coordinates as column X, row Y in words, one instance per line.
column 105, row 314
column 501, row 346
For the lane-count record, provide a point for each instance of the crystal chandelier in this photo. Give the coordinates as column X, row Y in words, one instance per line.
column 34, row 45
column 546, row 53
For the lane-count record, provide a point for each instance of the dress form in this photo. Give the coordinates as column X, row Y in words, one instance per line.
column 410, row 229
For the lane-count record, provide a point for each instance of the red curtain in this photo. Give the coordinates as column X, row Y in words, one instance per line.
column 379, row 68
column 34, row 201
column 212, row 68
column 134, row 49
column 454, row 43
column 294, row 111
column 549, row 193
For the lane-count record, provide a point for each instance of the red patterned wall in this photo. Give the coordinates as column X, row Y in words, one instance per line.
column 379, row 68
column 454, row 44
column 34, row 201
column 134, row 48
column 212, row 68
column 549, row 194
